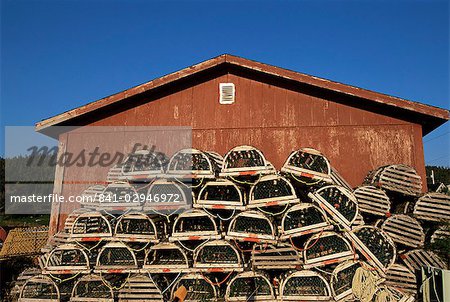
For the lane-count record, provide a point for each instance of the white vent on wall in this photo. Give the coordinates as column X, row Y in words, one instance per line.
column 227, row 93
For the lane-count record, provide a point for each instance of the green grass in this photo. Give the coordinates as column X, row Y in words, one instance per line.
column 23, row 220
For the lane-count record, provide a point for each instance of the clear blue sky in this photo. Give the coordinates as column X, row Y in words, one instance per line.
column 57, row 55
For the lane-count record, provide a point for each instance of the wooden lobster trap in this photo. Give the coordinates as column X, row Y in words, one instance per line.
column 251, row 226
column 359, row 221
column 275, row 257
column 39, row 289
column 91, row 288
column 373, row 201
column 305, row 286
column 404, row 230
column 67, row 259
column 193, row 226
column 90, row 226
column 339, row 203
column 136, row 227
column 167, row 197
column 325, row 249
column 221, row 195
column 400, row 178
column 303, row 219
column 433, row 207
column 119, row 197
column 139, row 287
column 375, row 245
column 308, row 166
column 198, row 288
column 441, row 233
column 216, row 257
column 250, row 286
column 245, row 161
column 272, row 191
column 417, row 258
column 114, row 173
column 191, row 164
column 401, row 277
column 342, row 280
column 143, row 164
column 17, row 285
column 91, row 196
column 166, row 258
column 117, row 258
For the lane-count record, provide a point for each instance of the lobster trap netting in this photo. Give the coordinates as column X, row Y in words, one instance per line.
column 308, row 166
column 198, row 289
column 164, row 195
column 376, row 242
column 119, row 196
column 220, row 193
column 218, row 253
column 142, row 164
column 194, row 163
column 249, row 286
column 67, row 257
column 136, row 227
column 342, row 279
column 92, row 288
column 251, row 224
column 325, row 249
column 339, row 203
column 305, row 285
column 165, row 255
column 303, row 219
column 39, row 288
column 90, row 224
column 272, row 190
column 116, row 255
column 195, row 221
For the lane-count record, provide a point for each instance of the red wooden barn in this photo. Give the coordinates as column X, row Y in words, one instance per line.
column 274, row 109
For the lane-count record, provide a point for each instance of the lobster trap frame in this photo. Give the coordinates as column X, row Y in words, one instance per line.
column 260, row 168
column 143, row 164
column 318, row 244
column 399, row 276
column 156, row 260
column 260, row 281
column 260, row 193
column 220, row 189
column 139, row 287
column 91, row 288
column 136, row 227
column 125, row 260
column 218, row 249
column 301, row 229
column 304, row 291
column 67, row 259
column 333, row 199
column 360, row 245
column 275, row 257
column 90, row 226
column 404, row 230
column 119, row 196
column 39, row 289
column 171, row 195
column 211, row 161
column 91, row 196
column 299, row 164
column 196, row 286
column 399, row 178
column 415, row 259
column 182, row 221
column 342, row 279
column 249, row 236
column 373, row 201
column 433, row 207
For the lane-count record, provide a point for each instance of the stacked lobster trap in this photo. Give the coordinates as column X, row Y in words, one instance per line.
column 241, row 231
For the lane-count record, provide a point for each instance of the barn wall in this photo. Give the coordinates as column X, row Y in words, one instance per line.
column 277, row 121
